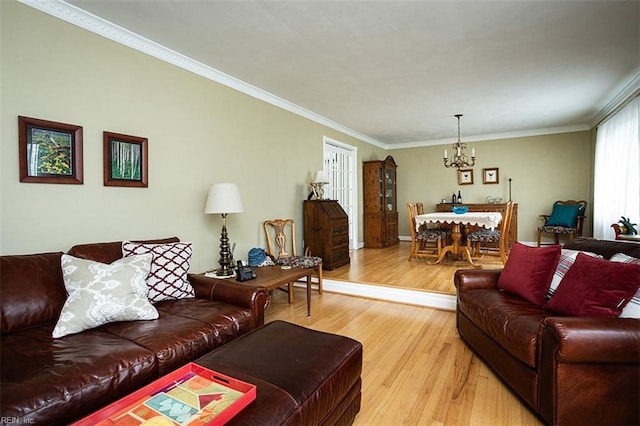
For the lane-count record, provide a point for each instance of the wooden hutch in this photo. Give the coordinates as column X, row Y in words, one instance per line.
column 380, row 203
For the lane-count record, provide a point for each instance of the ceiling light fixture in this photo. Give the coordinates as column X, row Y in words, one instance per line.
column 460, row 159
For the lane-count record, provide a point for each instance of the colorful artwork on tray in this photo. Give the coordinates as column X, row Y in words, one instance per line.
column 191, row 400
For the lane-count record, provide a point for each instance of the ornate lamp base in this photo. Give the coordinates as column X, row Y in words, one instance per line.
column 318, row 189
column 226, row 260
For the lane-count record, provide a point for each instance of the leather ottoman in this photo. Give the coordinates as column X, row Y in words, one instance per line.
column 303, row 376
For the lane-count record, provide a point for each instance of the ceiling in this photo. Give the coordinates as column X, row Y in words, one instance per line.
column 397, row 71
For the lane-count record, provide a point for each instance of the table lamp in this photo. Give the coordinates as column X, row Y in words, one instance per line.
column 317, row 186
column 224, row 198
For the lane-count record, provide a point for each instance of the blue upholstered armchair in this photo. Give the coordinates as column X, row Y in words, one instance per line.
column 565, row 218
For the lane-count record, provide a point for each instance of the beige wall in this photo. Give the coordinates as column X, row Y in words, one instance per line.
column 200, row 133
column 543, row 169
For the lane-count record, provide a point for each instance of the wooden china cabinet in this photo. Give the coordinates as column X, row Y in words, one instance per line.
column 380, row 203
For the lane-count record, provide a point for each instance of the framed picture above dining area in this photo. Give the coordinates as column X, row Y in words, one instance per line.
column 465, row 177
column 490, row 175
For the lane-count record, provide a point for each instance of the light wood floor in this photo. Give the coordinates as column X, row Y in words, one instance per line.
column 416, row 370
column 389, row 266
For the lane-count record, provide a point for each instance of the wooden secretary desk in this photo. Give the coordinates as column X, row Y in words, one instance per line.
column 486, row 207
column 326, row 232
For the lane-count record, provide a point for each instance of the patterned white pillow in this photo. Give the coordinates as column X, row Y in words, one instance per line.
column 168, row 277
column 101, row 293
column 632, row 309
column 567, row 258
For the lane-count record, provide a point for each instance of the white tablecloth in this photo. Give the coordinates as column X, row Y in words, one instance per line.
column 485, row 219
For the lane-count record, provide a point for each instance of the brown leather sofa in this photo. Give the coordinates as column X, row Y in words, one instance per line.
column 47, row 381
column 569, row 370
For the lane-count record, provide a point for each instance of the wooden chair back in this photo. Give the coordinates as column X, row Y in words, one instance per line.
column 281, row 243
column 411, row 213
column 420, row 248
column 281, row 237
column 503, row 238
column 504, row 232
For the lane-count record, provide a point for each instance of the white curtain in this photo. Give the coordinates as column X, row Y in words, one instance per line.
column 617, row 170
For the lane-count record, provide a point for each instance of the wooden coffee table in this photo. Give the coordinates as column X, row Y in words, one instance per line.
column 273, row 277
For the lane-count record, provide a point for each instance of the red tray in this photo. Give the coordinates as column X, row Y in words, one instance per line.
column 191, row 395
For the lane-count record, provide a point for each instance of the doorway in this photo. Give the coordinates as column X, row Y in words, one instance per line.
column 340, row 170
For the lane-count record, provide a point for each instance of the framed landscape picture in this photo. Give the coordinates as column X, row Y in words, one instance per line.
column 125, row 160
column 465, row 177
column 50, row 152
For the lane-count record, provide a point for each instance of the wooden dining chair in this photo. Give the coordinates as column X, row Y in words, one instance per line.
column 281, row 247
column 477, row 238
column 425, row 242
column 446, row 229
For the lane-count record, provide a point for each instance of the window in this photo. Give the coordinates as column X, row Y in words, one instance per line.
column 617, row 170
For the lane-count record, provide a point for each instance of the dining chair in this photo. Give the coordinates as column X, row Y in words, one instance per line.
column 566, row 218
column 281, row 247
column 442, row 227
column 425, row 242
column 477, row 238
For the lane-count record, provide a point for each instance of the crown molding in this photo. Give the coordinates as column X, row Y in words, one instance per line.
column 628, row 92
column 495, row 136
column 83, row 19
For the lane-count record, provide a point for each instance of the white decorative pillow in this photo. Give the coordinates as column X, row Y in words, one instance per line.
column 168, row 277
column 632, row 309
column 101, row 293
column 567, row 258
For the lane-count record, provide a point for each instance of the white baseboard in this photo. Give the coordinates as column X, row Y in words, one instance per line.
column 391, row 294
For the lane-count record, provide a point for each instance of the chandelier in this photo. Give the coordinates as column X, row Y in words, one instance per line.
column 460, row 159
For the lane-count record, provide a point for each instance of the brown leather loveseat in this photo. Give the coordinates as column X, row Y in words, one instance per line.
column 53, row 381
column 569, row 370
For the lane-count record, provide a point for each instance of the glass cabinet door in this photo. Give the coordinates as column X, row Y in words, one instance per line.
column 390, row 189
column 381, row 190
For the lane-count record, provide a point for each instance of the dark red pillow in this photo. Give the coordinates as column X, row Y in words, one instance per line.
column 595, row 287
column 529, row 270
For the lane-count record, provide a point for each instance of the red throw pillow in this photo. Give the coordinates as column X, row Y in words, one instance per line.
column 529, row 270
column 595, row 287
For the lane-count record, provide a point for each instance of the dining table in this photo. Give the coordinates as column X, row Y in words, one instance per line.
column 489, row 220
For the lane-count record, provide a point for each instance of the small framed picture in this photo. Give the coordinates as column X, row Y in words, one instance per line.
column 125, row 160
column 465, row 177
column 50, row 152
column 490, row 175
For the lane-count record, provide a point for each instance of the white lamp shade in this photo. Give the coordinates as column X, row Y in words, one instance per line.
column 320, row 177
column 224, row 198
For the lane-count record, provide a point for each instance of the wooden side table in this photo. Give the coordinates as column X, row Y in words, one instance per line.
column 273, row 277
